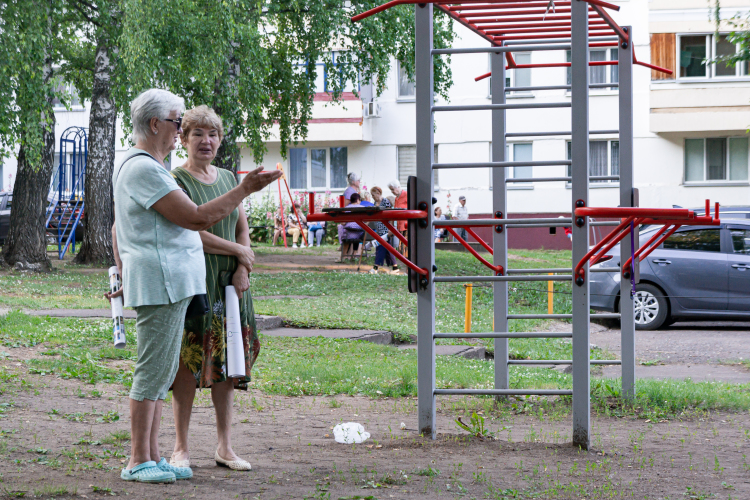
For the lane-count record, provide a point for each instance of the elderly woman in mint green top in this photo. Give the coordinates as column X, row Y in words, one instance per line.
column 160, row 256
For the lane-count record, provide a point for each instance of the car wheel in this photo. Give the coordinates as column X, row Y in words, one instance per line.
column 650, row 307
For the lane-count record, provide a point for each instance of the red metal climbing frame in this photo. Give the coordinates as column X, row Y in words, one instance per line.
column 671, row 218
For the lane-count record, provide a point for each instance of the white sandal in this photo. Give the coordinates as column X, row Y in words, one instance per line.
column 179, row 463
column 238, row 464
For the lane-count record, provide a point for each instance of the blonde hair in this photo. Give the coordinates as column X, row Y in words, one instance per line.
column 201, row 117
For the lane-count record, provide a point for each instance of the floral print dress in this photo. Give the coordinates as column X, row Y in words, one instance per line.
column 204, row 340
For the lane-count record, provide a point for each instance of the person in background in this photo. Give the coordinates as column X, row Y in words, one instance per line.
column 400, row 201
column 460, row 212
column 351, row 233
column 353, row 180
column 382, row 255
column 315, row 233
column 439, row 231
column 297, row 226
column 278, row 226
column 366, row 200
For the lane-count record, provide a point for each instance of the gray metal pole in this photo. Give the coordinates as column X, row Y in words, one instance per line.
column 580, row 190
column 627, row 321
column 499, row 204
column 425, row 242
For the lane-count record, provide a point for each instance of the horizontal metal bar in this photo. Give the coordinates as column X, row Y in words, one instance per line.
column 505, row 392
column 472, row 279
column 557, row 40
column 505, row 335
column 542, row 134
column 556, row 87
column 539, row 271
column 604, row 270
column 495, row 164
column 526, row 226
column 604, row 223
column 537, row 179
column 604, row 178
column 495, row 222
column 540, row 316
column 485, row 107
column 518, row 48
column 561, row 362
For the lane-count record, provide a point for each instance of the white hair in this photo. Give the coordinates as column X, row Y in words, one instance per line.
column 394, row 184
column 352, row 178
column 153, row 103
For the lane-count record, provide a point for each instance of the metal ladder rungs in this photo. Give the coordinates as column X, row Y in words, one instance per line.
column 562, row 316
column 542, row 134
column 490, row 107
column 505, row 335
column 506, row 392
column 539, row 271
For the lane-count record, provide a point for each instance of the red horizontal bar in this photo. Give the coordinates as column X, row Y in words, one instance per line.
column 620, row 32
column 674, row 213
column 513, row 4
column 384, row 215
column 543, row 29
column 551, row 35
column 548, row 65
column 505, row 16
column 530, row 19
column 565, row 24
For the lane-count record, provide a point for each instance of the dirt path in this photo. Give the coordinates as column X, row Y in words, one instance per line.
column 56, row 437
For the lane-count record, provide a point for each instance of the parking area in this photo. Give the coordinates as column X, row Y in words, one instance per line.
column 716, row 350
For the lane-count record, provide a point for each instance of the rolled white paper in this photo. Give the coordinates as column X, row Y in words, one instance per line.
column 118, row 322
column 235, row 349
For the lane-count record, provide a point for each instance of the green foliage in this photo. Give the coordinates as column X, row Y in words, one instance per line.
column 31, row 35
column 739, row 33
column 255, row 61
column 475, row 427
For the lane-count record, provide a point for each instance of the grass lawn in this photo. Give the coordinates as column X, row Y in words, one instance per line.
column 82, row 349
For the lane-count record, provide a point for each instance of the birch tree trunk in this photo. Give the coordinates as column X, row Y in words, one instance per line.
column 228, row 155
column 97, row 237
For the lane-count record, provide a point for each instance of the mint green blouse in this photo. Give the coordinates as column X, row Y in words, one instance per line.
column 162, row 262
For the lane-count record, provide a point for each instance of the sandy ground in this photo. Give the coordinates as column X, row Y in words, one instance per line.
column 55, row 440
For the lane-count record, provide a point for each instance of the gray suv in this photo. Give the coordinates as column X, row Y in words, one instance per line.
column 698, row 273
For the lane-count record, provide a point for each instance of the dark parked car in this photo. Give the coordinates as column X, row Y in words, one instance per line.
column 6, row 199
column 698, row 273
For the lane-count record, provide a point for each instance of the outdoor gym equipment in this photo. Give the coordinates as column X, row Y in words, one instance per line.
column 522, row 26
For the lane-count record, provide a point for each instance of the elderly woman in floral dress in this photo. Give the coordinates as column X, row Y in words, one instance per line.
column 229, row 259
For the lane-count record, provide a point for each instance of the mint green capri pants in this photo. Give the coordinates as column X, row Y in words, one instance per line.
column 159, row 331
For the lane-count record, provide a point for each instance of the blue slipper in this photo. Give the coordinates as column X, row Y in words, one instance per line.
column 179, row 472
column 147, row 472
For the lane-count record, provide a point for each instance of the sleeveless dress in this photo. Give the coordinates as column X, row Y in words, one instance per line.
column 204, row 339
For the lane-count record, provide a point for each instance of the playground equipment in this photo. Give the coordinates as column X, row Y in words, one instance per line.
column 66, row 193
column 514, row 26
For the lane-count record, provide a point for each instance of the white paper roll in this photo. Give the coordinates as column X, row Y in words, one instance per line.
column 235, row 349
column 118, row 322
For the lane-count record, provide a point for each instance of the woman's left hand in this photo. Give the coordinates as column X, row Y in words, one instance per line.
column 240, row 280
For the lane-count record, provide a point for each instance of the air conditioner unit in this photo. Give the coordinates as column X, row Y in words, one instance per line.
column 372, row 110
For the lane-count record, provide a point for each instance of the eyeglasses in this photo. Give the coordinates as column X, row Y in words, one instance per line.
column 177, row 122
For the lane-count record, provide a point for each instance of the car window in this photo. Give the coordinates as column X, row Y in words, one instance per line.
column 701, row 240
column 740, row 241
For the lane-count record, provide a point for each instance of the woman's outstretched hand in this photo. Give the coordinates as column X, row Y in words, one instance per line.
column 109, row 295
column 257, row 179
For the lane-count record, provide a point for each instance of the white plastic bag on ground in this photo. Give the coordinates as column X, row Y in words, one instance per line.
column 350, row 432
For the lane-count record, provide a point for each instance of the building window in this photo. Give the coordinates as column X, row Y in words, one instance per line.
column 339, row 167
column 519, row 152
column 67, row 95
column 407, row 165
column 320, row 176
column 598, row 74
column 716, row 159
column 604, row 159
column 406, row 88
column 694, row 50
column 323, row 80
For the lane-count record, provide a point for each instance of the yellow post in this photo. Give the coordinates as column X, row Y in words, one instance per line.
column 550, row 296
column 467, row 310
